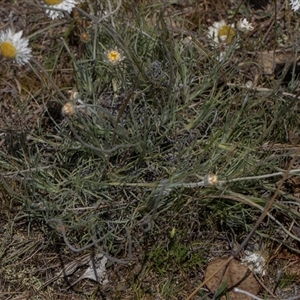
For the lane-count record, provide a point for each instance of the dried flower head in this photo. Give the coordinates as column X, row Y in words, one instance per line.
column 73, row 95
column 249, row 84
column 244, row 26
column 85, row 37
column 55, row 8
column 68, row 109
column 114, row 56
column 211, row 180
column 13, row 46
column 221, row 32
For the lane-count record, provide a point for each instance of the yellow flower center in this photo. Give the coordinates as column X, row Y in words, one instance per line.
column 226, row 34
column 113, row 55
column 8, row 50
column 53, row 2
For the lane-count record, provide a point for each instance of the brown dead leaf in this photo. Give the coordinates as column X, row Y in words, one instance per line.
column 271, row 59
column 236, row 275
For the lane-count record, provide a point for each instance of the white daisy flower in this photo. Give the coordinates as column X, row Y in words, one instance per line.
column 114, row 56
column 295, row 4
column 244, row 26
column 55, row 8
column 13, row 46
column 220, row 32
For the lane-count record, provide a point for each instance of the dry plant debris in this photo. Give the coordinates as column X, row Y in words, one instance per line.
column 234, row 275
